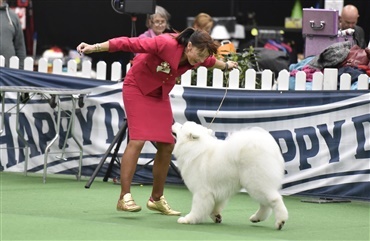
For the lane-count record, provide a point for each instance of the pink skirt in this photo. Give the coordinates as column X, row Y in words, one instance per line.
column 149, row 117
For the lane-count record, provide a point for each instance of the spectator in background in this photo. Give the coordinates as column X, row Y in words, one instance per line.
column 157, row 23
column 203, row 21
column 11, row 35
column 348, row 19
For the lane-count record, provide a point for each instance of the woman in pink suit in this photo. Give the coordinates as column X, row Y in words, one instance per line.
column 146, row 99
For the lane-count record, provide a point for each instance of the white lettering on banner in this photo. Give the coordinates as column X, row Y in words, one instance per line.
column 95, row 125
column 325, row 140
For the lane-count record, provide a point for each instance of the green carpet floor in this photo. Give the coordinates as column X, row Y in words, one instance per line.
column 63, row 209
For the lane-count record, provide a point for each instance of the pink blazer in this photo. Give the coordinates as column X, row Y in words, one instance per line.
column 155, row 51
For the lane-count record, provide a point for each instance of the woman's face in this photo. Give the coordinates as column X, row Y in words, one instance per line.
column 158, row 24
column 196, row 55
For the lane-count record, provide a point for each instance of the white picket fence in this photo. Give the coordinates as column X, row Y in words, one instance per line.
column 321, row 81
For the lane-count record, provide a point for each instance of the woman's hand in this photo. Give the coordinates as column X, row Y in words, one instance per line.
column 84, row 48
column 225, row 66
column 230, row 65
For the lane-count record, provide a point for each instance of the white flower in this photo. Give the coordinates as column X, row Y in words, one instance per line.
column 164, row 67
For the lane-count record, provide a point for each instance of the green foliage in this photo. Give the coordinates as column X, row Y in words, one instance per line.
column 247, row 59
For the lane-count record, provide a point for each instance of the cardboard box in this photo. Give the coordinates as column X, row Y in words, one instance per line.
column 293, row 23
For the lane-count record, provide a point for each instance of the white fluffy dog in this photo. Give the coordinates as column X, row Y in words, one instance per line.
column 214, row 170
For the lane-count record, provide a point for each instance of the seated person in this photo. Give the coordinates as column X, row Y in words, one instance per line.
column 348, row 19
column 203, row 21
column 157, row 23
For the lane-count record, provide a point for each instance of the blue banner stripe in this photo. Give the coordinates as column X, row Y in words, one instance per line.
column 326, row 176
column 357, row 190
column 279, row 118
column 16, row 77
column 203, row 98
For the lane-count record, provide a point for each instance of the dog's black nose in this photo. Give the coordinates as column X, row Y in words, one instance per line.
column 174, row 136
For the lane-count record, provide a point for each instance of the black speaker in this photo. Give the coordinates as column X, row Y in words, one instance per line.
column 134, row 6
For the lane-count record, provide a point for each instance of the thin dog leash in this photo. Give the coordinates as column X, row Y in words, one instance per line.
column 222, row 100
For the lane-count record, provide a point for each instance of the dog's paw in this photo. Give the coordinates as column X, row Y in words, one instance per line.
column 182, row 220
column 217, row 218
column 254, row 219
column 279, row 225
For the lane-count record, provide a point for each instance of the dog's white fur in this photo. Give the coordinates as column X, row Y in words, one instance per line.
column 214, row 170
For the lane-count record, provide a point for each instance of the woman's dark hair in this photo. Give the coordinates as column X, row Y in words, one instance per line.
column 199, row 39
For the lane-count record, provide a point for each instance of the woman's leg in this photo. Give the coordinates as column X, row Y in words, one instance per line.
column 162, row 161
column 161, row 165
column 128, row 164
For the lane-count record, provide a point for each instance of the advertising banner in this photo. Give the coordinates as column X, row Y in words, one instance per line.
column 324, row 136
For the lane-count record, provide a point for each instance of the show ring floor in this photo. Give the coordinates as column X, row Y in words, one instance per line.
column 63, row 209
